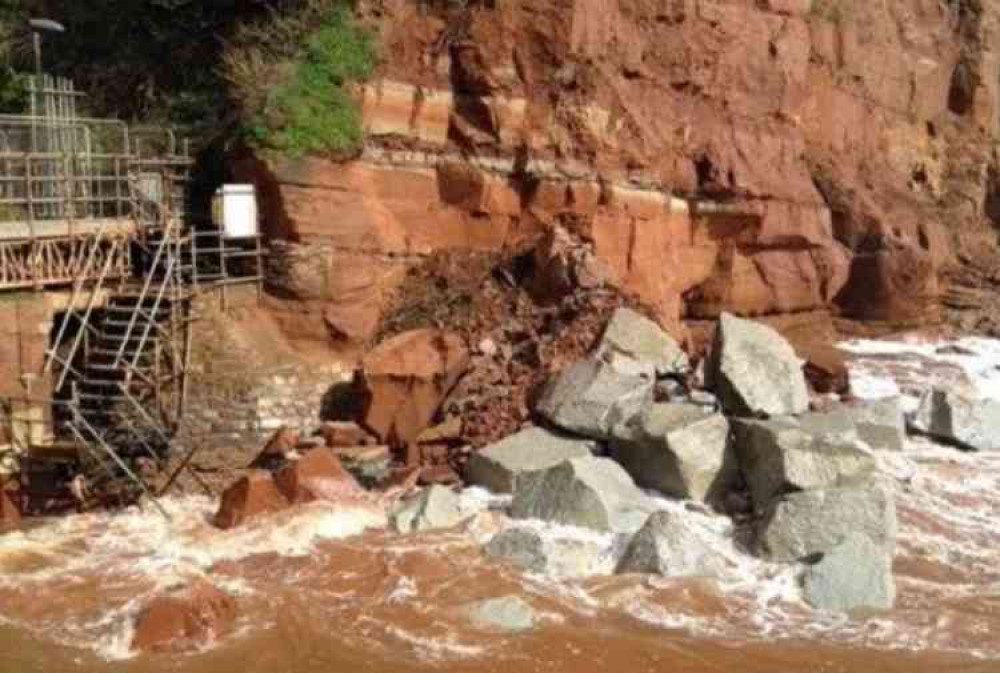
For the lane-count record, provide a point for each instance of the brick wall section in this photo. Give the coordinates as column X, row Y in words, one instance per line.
column 239, row 388
column 25, row 327
column 227, row 415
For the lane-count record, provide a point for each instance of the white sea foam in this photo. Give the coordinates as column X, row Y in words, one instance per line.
column 135, row 554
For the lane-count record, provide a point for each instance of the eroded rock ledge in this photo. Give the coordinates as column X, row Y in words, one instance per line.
column 713, row 156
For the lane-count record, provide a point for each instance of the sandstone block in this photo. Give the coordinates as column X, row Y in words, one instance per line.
column 407, row 378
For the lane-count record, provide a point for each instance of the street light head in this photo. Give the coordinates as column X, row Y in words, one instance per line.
column 46, row 26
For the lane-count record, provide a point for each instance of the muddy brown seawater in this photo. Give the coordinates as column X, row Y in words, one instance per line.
column 316, row 596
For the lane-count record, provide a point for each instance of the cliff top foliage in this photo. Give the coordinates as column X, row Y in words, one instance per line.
column 293, row 90
column 169, row 61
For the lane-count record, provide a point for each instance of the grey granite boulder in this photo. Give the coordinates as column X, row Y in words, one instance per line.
column 855, row 574
column 638, row 345
column 754, row 371
column 508, row 613
column 958, row 419
column 552, row 553
column 592, row 396
column 798, row 526
column 434, row 507
column 667, row 545
column 778, row 456
column 682, row 450
column 591, row 492
column 498, row 467
column 835, row 424
column 880, row 423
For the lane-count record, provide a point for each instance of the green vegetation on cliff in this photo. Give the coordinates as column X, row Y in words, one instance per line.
column 294, row 93
column 274, row 72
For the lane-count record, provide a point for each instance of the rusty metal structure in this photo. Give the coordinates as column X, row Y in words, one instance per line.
column 98, row 211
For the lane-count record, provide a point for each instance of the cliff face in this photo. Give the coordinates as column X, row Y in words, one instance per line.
column 764, row 157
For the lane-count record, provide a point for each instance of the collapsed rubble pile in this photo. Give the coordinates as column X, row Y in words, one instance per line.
column 582, row 490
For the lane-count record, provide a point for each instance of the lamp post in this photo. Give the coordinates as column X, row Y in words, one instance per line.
column 40, row 99
column 39, row 26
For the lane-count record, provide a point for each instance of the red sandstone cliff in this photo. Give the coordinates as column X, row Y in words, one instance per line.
column 764, row 157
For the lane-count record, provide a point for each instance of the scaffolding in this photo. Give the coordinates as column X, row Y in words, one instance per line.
column 100, row 210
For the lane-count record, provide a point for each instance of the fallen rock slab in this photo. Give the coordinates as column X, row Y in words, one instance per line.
column 880, row 423
column 825, row 367
column 433, row 508
column 318, row 475
column 669, row 546
column 278, row 449
column 798, row 526
column 498, row 466
column 754, row 371
column 777, row 456
column 406, row 379
column 185, row 619
column 588, row 492
column 961, row 420
column 681, row 450
column 855, row 574
column 509, row 614
column 639, row 346
column 834, row 424
column 592, row 396
column 249, row 497
column 345, row 434
column 552, row 554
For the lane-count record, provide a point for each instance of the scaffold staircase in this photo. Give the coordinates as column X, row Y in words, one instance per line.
column 127, row 390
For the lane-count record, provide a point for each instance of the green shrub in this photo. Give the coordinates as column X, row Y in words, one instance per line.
column 834, row 11
column 300, row 103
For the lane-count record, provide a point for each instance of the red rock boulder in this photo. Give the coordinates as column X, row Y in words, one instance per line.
column 406, row 379
column 251, row 496
column 184, row 619
column 318, row 475
column 276, row 450
column 825, row 368
column 10, row 513
column 345, row 434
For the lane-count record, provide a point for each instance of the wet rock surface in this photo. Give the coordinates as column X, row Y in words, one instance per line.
column 681, row 450
column 433, row 508
column 499, row 466
column 636, row 344
column 799, row 525
column 551, row 553
column 959, row 419
column 317, row 475
column 779, row 455
column 590, row 397
column 406, row 379
column 880, row 423
column 854, row 574
column 184, row 619
column 249, row 497
column 754, row 371
column 594, row 493
column 667, row 545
